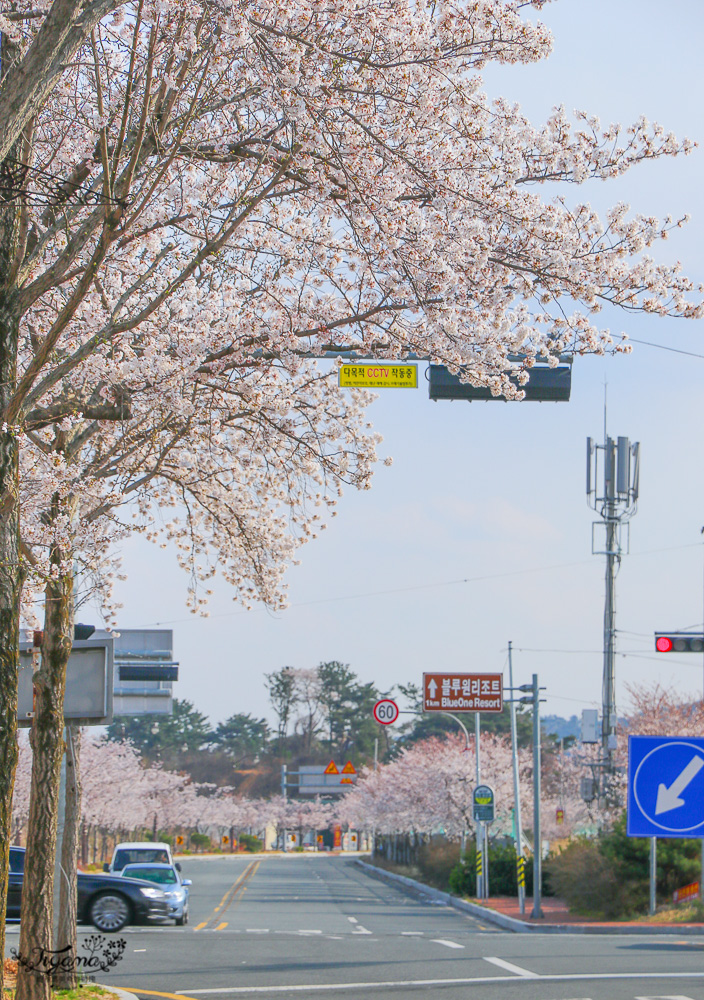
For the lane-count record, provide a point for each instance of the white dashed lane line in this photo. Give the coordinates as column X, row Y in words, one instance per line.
column 448, row 944
column 510, row 967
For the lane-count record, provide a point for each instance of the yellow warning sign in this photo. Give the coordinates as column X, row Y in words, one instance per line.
column 331, row 768
column 379, row 375
column 348, row 768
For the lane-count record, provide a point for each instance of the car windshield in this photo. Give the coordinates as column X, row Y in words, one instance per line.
column 163, row 876
column 139, row 854
column 16, row 861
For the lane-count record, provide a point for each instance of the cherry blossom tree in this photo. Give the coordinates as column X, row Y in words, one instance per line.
column 215, row 189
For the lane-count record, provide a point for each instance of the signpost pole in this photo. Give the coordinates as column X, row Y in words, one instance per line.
column 537, row 836
column 480, row 826
column 653, row 873
column 516, row 790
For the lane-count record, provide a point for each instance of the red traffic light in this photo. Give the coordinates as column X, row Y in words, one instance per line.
column 664, row 644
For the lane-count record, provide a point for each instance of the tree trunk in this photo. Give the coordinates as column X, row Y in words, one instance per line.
column 48, row 746
column 68, row 900
column 10, row 570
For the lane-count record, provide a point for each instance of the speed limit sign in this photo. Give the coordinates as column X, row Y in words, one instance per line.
column 386, row 711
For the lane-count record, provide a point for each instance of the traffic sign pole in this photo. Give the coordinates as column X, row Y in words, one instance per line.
column 653, row 874
column 537, row 835
column 480, row 830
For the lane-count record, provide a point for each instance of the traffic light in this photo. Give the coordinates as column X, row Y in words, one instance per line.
column 544, row 385
column 679, row 642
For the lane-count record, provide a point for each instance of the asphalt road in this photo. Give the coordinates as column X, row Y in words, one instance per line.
column 315, row 925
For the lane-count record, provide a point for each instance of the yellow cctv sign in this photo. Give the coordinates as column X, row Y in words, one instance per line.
column 379, row 375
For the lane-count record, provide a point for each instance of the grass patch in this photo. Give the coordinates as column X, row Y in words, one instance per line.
column 88, row 991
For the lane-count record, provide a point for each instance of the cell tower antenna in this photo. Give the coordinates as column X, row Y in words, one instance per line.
column 615, row 500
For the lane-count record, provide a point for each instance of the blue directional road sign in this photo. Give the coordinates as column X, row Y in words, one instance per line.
column 665, row 786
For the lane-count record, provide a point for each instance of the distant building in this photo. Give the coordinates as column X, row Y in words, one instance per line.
column 145, row 670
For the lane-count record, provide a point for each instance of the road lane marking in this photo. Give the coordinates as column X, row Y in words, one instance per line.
column 156, row 993
column 310, row 932
column 412, row 933
column 448, row 944
column 510, row 967
column 257, row 930
column 222, row 926
column 353, row 920
column 678, row 997
column 138, row 949
column 390, row 984
column 238, row 887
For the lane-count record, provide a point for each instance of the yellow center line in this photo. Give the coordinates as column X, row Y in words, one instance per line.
column 230, row 894
column 156, row 993
column 222, row 926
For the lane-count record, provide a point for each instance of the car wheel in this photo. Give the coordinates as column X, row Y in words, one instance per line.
column 109, row 912
column 183, row 919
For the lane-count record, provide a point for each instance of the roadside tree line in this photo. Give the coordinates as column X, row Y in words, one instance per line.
column 197, row 200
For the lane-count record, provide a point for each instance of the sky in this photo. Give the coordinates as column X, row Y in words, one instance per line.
column 479, row 532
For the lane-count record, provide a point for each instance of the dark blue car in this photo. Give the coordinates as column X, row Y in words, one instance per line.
column 106, row 901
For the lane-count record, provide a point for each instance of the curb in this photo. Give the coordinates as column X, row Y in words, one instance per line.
column 122, row 994
column 520, row 926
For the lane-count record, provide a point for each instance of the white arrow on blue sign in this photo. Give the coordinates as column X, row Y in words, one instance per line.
column 665, row 786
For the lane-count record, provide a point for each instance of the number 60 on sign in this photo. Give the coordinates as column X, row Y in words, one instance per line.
column 386, row 711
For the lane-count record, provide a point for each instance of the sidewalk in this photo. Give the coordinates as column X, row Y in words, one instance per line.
column 555, row 911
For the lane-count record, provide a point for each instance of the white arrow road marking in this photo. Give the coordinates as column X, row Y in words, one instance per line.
column 510, row 967
column 669, row 798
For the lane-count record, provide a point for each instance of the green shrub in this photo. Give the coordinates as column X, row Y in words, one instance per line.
column 250, row 843
column 200, row 840
column 608, row 876
column 436, row 861
column 503, row 877
column 587, row 880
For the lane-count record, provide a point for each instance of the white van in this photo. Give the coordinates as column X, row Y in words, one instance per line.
column 140, row 852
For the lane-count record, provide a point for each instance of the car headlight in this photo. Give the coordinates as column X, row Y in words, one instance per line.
column 152, row 893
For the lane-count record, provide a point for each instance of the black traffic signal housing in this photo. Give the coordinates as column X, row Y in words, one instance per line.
column 679, row 642
column 544, row 385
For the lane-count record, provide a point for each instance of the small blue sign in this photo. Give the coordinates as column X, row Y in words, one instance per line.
column 665, row 786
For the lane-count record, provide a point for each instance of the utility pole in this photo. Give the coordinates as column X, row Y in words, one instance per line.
column 615, row 501
column 284, row 786
column 516, row 790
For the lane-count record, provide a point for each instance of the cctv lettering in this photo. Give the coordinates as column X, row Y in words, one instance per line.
column 358, row 371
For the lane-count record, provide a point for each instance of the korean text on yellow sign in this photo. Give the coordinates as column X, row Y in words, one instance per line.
column 379, row 375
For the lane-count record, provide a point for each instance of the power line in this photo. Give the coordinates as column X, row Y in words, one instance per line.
column 665, row 347
column 424, row 586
